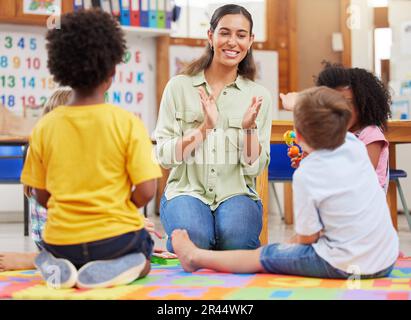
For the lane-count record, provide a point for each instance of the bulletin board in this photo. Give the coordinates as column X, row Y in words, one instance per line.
column 266, row 64
column 26, row 82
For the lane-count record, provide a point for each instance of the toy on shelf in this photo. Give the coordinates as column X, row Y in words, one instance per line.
column 293, row 149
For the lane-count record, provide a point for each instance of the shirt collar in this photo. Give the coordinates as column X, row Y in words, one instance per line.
column 199, row 79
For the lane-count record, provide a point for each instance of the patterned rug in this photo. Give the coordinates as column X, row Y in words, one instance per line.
column 170, row 282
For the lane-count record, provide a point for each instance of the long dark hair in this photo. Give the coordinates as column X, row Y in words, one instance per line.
column 246, row 68
column 371, row 97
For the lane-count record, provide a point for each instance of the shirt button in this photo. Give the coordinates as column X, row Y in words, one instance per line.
column 211, row 189
column 225, row 92
column 215, row 130
column 213, row 150
column 212, row 170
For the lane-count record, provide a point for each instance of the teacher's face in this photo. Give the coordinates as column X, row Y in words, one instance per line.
column 231, row 40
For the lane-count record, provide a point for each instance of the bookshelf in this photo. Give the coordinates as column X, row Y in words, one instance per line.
column 11, row 12
column 142, row 32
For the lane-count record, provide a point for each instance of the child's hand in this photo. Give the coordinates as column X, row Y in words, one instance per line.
column 289, row 100
column 149, row 225
column 296, row 163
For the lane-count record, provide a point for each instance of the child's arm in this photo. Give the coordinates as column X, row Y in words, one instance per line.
column 299, row 239
column 288, row 100
column 143, row 193
column 28, row 191
column 41, row 196
column 374, row 151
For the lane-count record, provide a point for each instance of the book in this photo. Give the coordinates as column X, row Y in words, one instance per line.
column 169, row 13
column 152, row 14
column 105, row 6
column 135, row 13
column 161, row 14
column 115, row 9
column 144, row 13
column 87, row 4
column 125, row 12
column 77, row 5
column 95, row 3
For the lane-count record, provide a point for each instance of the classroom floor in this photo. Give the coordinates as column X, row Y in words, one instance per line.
column 12, row 239
column 169, row 282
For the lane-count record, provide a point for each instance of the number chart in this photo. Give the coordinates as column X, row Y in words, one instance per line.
column 26, row 82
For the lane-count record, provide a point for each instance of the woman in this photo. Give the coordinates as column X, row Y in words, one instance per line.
column 213, row 132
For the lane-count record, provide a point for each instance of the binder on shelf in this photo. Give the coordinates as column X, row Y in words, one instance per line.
column 135, row 13
column 125, row 12
column 87, row 4
column 161, row 14
column 95, row 3
column 144, row 13
column 105, row 6
column 77, row 5
column 169, row 13
column 115, row 8
column 152, row 14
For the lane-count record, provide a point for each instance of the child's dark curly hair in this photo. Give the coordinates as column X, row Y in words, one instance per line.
column 371, row 97
column 84, row 52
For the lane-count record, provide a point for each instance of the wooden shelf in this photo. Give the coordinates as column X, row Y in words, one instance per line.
column 142, row 32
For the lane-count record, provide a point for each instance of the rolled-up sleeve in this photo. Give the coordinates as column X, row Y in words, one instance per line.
column 168, row 130
column 264, row 120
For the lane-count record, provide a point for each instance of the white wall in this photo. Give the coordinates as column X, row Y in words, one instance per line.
column 361, row 22
column 11, row 198
column 400, row 12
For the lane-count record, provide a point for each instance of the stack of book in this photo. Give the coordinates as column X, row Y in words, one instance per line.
column 138, row 13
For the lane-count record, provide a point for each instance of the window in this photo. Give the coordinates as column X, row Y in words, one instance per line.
column 194, row 18
column 383, row 41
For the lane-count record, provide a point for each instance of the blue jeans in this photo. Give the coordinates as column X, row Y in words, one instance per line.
column 235, row 224
column 79, row 254
column 302, row 260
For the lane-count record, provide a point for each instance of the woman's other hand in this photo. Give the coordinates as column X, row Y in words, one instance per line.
column 251, row 114
column 209, row 109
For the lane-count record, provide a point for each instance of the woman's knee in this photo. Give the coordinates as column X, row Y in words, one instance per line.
column 240, row 228
column 236, row 241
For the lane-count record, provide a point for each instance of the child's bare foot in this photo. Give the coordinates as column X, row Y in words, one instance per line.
column 17, row 261
column 185, row 249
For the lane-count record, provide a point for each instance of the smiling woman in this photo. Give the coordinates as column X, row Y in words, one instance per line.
column 213, row 132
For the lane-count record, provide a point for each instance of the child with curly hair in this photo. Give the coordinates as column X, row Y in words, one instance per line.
column 90, row 164
column 38, row 214
column 370, row 102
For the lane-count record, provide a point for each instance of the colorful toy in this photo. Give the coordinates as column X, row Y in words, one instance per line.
column 294, row 151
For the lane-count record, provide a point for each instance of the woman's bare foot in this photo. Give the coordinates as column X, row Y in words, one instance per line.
column 17, row 261
column 185, row 250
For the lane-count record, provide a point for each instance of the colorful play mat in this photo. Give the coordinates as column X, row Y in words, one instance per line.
column 170, row 282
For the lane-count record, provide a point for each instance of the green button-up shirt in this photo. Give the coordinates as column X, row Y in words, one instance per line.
column 217, row 170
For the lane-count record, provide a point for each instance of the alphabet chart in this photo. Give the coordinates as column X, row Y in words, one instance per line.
column 25, row 81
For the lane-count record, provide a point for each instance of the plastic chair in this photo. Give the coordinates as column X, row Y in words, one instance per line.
column 395, row 175
column 11, row 165
column 279, row 169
